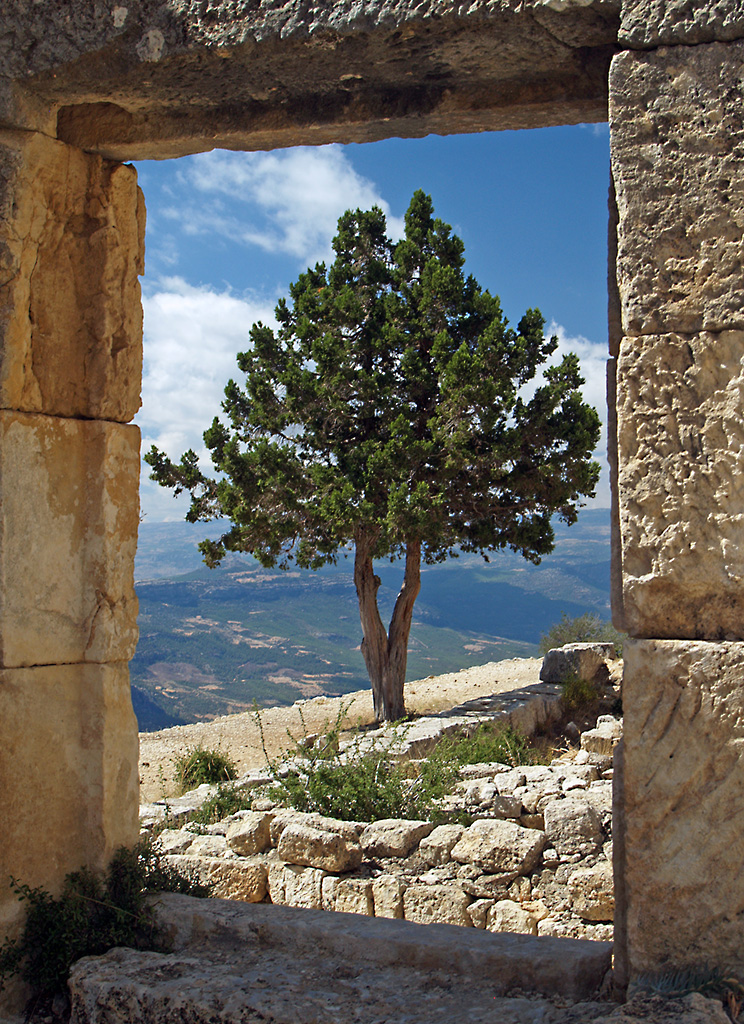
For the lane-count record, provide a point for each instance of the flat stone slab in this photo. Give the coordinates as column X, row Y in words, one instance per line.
column 280, row 965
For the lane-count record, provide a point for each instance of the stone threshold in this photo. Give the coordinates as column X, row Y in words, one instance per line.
column 256, row 962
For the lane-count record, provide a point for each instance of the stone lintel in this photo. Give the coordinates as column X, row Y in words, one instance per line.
column 681, row 496
column 677, row 148
column 68, row 534
column 71, row 249
column 683, row 804
column 68, row 775
column 162, row 79
column 647, row 23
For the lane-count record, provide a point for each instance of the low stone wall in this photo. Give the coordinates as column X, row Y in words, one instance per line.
column 537, row 858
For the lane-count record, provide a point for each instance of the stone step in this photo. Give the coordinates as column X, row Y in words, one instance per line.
column 280, row 965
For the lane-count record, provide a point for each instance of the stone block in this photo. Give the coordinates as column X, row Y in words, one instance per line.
column 317, row 848
column 71, row 250
column 592, row 896
column 498, row 846
column 677, row 140
column 604, row 738
column 354, row 896
column 251, row 834
column 174, row 840
column 68, row 773
column 393, row 837
column 586, row 661
column 683, row 804
column 436, row 848
column 681, row 447
column 295, row 886
column 508, row 916
column 387, row 895
column 572, row 825
column 242, row 878
column 436, row 904
column 669, row 22
column 68, row 534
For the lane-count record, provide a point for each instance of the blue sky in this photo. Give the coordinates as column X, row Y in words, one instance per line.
column 228, row 232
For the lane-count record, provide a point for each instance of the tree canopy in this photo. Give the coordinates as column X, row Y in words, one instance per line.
column 389, row 411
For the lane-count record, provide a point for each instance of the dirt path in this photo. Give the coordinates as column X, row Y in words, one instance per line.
column 238, row 735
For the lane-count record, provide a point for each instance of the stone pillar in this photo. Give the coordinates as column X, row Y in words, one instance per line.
column 677, row 135
column 71, row 249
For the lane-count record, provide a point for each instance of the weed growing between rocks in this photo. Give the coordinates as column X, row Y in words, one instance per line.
column 489, row 743
column 227, row 800
column 708, row 981
column 92, row 914
column 577, row 693
column 199, row 765
column 360, row 783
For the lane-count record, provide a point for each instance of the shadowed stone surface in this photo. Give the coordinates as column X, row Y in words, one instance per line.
column 677, row 143
column 68, row 533
column 681, row 442
column 155, row 78
column 655, row 22
column 683, row 803
column 66, row 730
column 71, row 248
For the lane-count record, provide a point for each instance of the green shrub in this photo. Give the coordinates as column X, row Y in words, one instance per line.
column 92, row 914
column 226, row 801
column 489, row 742
column 588, row 628
column 577, row 693
column 363, row 788
column 199, row 765
column 359, row 785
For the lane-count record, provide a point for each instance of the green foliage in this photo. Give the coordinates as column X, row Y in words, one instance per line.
column 226, row 801
column 577, row 693
column 92, row 914
column 360, row 784
column 199, row 765
column 388, row 401
column 587, row 628
column 489, row 743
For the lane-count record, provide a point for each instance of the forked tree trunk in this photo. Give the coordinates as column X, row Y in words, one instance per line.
column 386, row 653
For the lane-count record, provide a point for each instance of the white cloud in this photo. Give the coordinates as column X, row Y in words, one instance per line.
column 192, row 336
column 287, row 201
column 593, row 360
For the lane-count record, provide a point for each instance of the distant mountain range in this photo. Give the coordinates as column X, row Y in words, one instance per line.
column 213, row 641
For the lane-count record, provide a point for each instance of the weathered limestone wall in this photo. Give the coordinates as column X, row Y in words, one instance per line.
column 677, row 146
column 71, row 247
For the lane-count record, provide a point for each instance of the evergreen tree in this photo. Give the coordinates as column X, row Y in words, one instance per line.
column 385, row 413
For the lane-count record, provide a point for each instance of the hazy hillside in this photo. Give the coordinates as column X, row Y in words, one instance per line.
column 212, row 641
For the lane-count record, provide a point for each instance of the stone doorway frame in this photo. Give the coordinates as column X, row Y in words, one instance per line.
column 83, row 88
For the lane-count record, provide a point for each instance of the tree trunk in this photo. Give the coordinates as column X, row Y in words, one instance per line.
column 386, row 654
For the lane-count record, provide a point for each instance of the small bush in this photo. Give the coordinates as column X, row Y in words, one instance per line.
column 199, row 765
column 588, row 628
column 359, row 785
column 226, row 801
column 577, row 693
column 92, row 914
column 489, row 742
